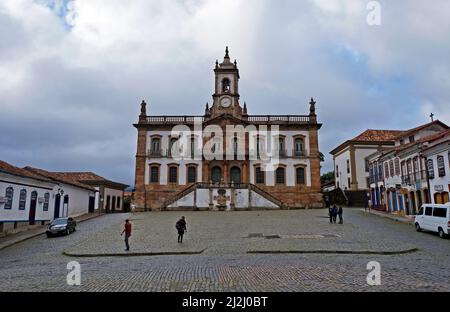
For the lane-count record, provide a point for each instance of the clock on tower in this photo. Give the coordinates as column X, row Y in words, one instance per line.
column 226, row 95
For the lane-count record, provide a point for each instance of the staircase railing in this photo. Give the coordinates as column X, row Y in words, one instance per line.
column 203, row 185
column 266, row 195
column 180, row 195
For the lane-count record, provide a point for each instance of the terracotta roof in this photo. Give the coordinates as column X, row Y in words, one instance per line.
column 430, row 138
column 84, row 176
column 59, row 177
column 10, row 169
column 424, row 126
column 372, row 135
column 90, row 178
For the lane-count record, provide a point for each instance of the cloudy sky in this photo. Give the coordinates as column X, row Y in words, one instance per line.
column 73, row 73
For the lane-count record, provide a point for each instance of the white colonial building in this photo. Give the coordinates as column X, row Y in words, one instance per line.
column 25, row 198
column 437, row 156
column 398, row 175
column 351, row 169
column 238, row 173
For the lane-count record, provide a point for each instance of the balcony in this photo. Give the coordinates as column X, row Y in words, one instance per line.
column 414, row 177
column 253, row 119
column 299, row 153
column 154, row 153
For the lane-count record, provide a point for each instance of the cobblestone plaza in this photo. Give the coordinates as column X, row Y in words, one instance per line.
column 297, row 250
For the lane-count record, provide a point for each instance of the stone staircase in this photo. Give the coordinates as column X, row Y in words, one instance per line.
column 231, row 187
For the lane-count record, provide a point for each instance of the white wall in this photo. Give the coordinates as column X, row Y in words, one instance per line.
column 341, row 162
column 78, row 200
column 361, row 175
column 440, row 181
column 113, row 193
column 30, row 185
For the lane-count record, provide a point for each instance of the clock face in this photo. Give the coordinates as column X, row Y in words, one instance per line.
column 225, row 102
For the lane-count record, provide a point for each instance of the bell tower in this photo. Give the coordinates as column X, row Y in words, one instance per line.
column 226, row 95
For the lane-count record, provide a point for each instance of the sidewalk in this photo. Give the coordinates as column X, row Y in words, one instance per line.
column 403, row 219
column 13, row 239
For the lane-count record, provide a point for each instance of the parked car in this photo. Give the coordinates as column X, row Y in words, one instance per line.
column 61, row 226
column 435, row 218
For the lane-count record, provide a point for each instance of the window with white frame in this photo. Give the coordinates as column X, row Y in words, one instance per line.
column 441, row 166
column 9, row 194
column 46, row 201
column 22, row 199
column 430, row 168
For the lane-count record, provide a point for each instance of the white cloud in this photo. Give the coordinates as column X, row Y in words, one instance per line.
column 77, row 79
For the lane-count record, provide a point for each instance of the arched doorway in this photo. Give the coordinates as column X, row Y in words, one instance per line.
column 235, row 175
column 216, row 174
column 32, row 215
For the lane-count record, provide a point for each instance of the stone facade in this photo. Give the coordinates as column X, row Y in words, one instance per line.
column 228, row 147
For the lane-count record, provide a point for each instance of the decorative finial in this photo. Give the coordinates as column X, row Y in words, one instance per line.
column 207, row 110
column 226, row 53
column 235, row 63
column 432, row 117
column 245, row 108
column 217, row 63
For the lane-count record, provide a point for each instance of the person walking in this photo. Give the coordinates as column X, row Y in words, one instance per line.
column 340, row 211
column 330, row 213
column 127, row 231
column 181, row 228
column 334, row 213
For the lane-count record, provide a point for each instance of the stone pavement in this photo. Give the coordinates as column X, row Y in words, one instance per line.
column 220, row 233
column 21, row 236
column 39, row 265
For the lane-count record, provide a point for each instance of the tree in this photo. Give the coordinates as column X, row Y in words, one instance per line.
column 327, row 177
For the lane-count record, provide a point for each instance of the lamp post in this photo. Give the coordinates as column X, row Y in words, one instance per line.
column 61, row 193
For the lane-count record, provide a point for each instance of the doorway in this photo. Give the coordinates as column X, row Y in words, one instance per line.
column 91, row 204
column 216, row 174
column 113, row 206
column 57, row 205
column 235, row 175
column 32, row 215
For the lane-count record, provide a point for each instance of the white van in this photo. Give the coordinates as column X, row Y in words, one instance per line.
column 435, row 218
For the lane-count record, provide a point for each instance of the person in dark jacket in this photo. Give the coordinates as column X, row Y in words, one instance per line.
column 334, row 213
column 340, row 211
column 330, row 213
column 181, row 228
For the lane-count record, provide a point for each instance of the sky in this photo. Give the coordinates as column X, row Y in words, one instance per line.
column 73, row 73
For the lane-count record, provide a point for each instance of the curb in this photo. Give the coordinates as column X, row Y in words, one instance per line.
column 394, row 218
column 345, row 252
column 37, row 234
column 134, row 254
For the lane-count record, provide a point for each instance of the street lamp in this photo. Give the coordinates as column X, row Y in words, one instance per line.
column 61, row 193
